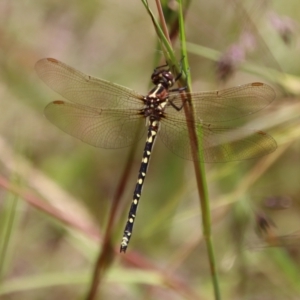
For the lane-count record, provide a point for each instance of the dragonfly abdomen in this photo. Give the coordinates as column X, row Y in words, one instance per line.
column 151, row 136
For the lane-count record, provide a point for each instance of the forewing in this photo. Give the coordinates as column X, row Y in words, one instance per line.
column 215, row 143
column 228, row 104
column 84, row 89
column 100, row 128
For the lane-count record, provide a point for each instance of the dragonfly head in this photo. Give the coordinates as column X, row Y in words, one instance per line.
column 163, row 77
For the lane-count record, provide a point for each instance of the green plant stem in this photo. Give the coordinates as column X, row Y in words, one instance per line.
column 198, row 166
column 197, row 155
column 8, row 219
column 166, row 45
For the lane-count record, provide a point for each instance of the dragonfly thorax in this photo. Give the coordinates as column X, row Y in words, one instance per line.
column 158, row 94
column 156, row 101
column 154, row 108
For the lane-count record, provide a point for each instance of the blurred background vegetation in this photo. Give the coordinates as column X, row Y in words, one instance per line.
column 56, row 192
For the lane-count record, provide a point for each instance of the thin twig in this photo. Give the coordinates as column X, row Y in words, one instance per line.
column 162, row 20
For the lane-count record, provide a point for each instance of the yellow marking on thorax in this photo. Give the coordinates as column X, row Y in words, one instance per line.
column 163, row 104
column 153, row 95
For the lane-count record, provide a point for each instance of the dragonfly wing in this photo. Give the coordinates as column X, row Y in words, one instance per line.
column 228, row 104
column 97, row 127
column 84, row 89
column 215, row 143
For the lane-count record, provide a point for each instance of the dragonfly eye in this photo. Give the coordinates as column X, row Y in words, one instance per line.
column 163, row 77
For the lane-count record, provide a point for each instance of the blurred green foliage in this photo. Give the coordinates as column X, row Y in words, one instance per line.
column 45, row 258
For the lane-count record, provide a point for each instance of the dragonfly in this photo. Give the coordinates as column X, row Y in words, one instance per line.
column 107, row 115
